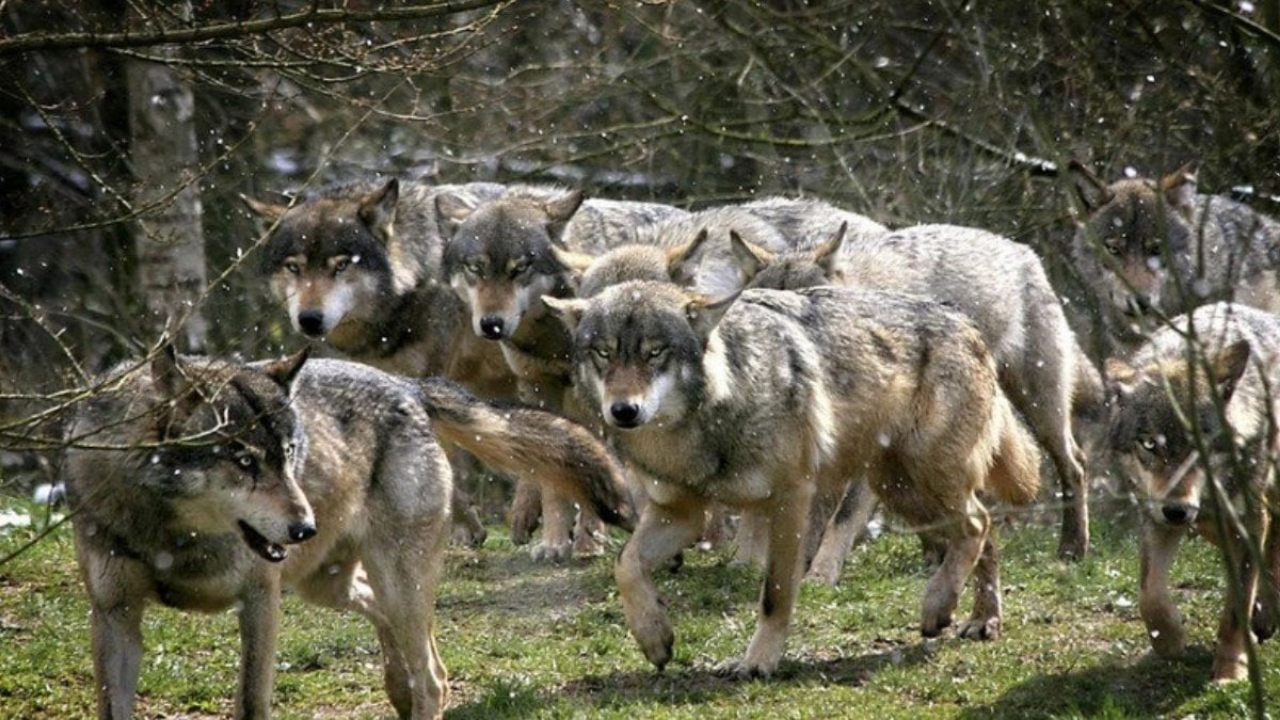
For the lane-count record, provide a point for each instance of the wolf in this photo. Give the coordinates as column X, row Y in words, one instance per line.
column 999, row 284
column 358, row 265
column 204, row 484
column 1157, row 248
column 498, row 260
column 696, row 250
column 1194, row 424
column 765, row 401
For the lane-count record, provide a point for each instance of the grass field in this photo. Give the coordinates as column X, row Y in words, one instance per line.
column 526, row 640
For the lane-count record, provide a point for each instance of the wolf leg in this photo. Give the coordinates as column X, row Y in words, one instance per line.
column 1041, row 390
column 664, row 531
column 259, row 626
column 751, row 542
column 587, row 534
column 1163, row 621
column 1229, row 660
column 848, row 523
column 117, row 591
column 557, row 520
column 787, row 526
column 526, row 511
column 968, row 537
column 984, row 624
column 403, row 576
column 468, row 530
column 1266, row 612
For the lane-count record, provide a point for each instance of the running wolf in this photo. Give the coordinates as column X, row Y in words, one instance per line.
column 1002, row 287
column 769, row 400
column 359, row 266
column 1160, row 247
column 203, row 484
column 1195, row 428
column 498, row 260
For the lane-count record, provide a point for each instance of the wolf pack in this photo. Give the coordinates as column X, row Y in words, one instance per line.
column 781, row 369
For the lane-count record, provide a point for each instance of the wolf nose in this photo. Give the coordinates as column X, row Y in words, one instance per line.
column 302, row 531
column 625, row 413
column 1178, row 514
column 311, row 322
column 491, row 327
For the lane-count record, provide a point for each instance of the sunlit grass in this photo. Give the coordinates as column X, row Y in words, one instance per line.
column 525, row 640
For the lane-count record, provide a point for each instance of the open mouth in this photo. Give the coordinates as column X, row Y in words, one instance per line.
column 272, row 552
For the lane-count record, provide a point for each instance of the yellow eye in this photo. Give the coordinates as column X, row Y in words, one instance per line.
column 1148, row 443
column 247, row 461
column 474, row 268
column 292, row 267
column 341, row 265
column 601, row 353
column 657, row 352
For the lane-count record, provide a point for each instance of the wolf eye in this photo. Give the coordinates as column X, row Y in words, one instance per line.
column 520, row 268
column 247, row 462
column 341, row 265
column 1113, row 249
column 601, row 353
column 655, row 353
column 293, row 267
column 473, row 268
column 1148, row 443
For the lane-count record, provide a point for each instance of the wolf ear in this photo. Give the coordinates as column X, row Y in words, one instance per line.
column 747, row 258
column 264, row 209
column 1122, row 378
column 1179, row 189
column 451, row 210
column 378, row 209
column 1229, row 367
column 705, row 312
column 825, row 255
column 560, row 211
column 284, row 370
column 569, row 310
column 682, row 264
column 167, row 374
column 1091, row 190
column 574, row 263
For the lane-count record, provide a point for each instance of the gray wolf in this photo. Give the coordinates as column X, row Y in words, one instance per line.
column 1002, row 287
column 202, row 484
column 1158, row 248
column 359, row 267
column 498, row 260
column 696, row 251
column 1194, row 425
column 769, row 400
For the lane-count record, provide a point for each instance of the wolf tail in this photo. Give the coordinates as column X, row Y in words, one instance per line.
column 1088, row 394
column 1014, row 477
column 532, row 444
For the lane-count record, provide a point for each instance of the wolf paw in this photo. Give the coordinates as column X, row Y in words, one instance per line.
column 587, row 545
column 1073, row 548
column 1264, row 621
column 658, row 642
column 1167, row 643
column 551, row 553
column 522, row 526
column 740, row 669
column 934, row 623
column 823, row 575
column 1230, row 669
column 979, row 629
column 468, row 531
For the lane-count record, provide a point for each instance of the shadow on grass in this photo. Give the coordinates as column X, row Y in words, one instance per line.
column 1149, row 687
column 687, row 686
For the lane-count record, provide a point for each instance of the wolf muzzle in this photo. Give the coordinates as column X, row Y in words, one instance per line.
column 311, row 323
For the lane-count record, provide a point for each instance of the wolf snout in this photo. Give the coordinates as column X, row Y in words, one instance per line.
column 311, row 322
column 493, row 327
column 1179, row 513
column 625, row 413
column 302, row 531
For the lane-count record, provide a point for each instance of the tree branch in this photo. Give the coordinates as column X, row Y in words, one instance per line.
column 202, row 33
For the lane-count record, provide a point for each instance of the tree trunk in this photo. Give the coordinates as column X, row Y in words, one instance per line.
column 170, row 241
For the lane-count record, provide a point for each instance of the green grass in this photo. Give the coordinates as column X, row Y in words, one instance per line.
column 527, row 640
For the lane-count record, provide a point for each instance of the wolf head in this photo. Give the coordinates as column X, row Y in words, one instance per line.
column 498, row 255
column 1142, row 231
column 639, row 349
column 229, row 449
column 330, row 257
column 790, row 270
column 591, row 274
column 1160, row 409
